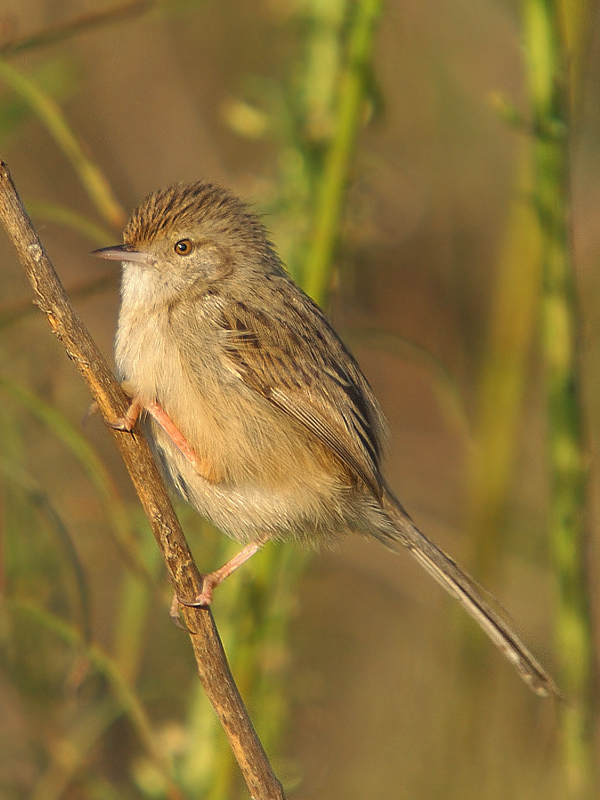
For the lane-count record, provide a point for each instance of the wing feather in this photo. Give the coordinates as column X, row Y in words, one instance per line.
column 304, row 370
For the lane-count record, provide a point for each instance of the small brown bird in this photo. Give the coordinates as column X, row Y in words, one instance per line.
column 257, row 413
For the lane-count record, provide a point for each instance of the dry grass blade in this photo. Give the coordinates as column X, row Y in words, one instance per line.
column 90, row 175
column 76, row 25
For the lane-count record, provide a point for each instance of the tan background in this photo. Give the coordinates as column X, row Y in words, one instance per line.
column 379, row 692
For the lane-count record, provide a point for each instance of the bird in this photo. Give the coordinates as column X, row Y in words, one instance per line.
column 257, row 413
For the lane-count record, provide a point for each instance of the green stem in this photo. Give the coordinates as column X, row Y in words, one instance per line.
column 549, row 87
column 90, row 175
column 52, row 212
column 513, row 317
column 338, row 161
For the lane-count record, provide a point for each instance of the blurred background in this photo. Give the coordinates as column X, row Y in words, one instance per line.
column 401, row 157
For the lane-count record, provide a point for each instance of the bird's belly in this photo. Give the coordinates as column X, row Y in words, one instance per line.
column 268, row 478
column 269, row 495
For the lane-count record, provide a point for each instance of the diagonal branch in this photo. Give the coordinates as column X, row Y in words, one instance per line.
column 75, row 25
column 211, row 661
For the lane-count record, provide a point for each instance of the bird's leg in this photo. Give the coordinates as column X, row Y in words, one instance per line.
column 128, row 420
column 173, row 432
column 127, row 423
column 202, row 466
column 213, row 579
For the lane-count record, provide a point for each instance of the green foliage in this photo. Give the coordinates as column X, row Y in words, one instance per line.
column 56, row 79
column 549, row 79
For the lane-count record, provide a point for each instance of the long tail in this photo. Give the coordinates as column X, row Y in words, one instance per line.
column 473, row 598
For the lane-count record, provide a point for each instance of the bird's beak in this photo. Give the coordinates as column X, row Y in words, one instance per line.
column 122, row 252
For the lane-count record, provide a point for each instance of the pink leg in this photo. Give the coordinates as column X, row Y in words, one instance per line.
column 175, row 613
column 127, row 423
column 173, row 432
column 213, row 579
column 201, row 465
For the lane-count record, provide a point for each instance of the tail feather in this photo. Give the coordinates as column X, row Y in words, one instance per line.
column 472, row 597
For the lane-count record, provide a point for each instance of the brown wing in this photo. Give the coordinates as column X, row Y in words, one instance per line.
column 296, row 361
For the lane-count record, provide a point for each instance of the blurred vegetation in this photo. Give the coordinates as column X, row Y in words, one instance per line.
column 537, row 283
column 552, row 44
column 417, row 163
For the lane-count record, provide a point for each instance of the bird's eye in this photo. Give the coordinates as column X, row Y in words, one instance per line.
column 184, row 247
